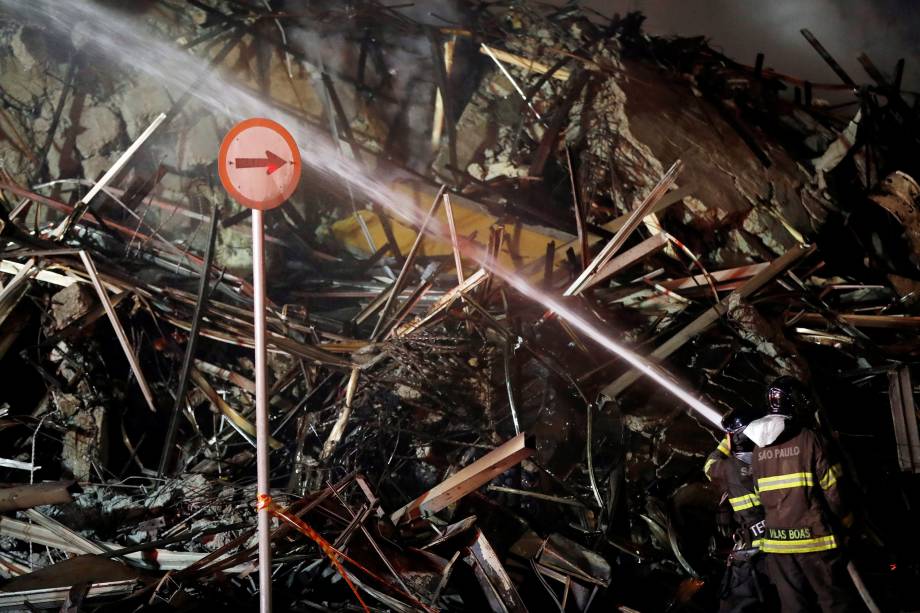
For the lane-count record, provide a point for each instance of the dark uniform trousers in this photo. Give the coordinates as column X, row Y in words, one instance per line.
column 800, row 578
column 745, row 587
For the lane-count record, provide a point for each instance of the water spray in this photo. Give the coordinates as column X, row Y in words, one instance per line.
column 116, row 36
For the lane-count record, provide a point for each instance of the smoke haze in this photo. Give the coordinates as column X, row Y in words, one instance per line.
column 884, row 29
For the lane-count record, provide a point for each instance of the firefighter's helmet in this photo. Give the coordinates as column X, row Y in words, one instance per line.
column 786, row 396
column 735, row 421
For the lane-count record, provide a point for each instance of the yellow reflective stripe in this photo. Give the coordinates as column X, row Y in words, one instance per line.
column 829, row 479
column 785, row 477
column 740, row 503
column 707, row 466
column 758, row 544
column 724, row 447
column 780, row 482
column 786, row 485
column 822, row 543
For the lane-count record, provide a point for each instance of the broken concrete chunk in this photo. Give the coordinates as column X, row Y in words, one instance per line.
column 68, row 404
column 85, row 443
column 71, row 303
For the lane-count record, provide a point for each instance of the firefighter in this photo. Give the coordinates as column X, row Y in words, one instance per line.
column 744, row 587
column 798, row 488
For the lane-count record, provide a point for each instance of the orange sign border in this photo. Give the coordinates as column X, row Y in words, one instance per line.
column 261, row 205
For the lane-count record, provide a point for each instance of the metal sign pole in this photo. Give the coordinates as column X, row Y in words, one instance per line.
column 259, row 166
column 262, row 464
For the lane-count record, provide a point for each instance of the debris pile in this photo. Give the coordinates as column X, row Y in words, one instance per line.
column 496, row 198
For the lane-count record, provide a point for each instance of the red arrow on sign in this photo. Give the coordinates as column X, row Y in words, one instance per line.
column 237, row 159
column 271, row 162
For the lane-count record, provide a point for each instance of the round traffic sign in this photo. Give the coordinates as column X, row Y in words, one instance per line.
column 259, row 163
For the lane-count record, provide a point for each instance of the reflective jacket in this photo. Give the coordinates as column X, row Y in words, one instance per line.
column 734, row 479
column 797, row 487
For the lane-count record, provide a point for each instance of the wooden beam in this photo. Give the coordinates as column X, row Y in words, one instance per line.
column 864, row 321
column 467, row 479
column 837, row 68
column 628, row 258
column 562, row 74
column 904, row 416
column 728, row 274
column 667, row 200
column 639, row 213
column 27, row 496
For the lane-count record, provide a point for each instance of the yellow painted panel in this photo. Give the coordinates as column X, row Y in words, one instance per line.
column 524, row 247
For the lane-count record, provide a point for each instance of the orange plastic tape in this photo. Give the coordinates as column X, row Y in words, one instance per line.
column 263, row 501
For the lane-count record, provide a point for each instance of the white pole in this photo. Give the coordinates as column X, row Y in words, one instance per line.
column 262, row 465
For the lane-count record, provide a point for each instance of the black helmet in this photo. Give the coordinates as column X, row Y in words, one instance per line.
column 786, row 396
column 734, row 422
column 738, row 419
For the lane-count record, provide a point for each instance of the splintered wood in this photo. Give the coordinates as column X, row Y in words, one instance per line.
column 467, row 479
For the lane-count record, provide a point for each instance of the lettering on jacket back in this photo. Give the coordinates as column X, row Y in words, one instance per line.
column 782, row 452
column 788, row 534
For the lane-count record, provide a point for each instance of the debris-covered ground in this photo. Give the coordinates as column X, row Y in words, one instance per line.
column 493, row 195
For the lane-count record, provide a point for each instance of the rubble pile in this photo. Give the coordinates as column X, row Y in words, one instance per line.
column 447, row 433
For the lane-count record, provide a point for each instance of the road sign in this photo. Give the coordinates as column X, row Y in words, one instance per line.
column 259, row 163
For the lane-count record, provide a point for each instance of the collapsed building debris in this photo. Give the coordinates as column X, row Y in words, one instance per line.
column 446, row 431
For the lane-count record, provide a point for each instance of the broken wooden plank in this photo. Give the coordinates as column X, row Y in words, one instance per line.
column 579, row 213
column 402, row 277
column 161, row 559
column 55, row 597
column 898, row 75
column 467, row 479
column 27, row 496
column 726, row 275
column 827, row 57
column 904, row 417
column 338, row 429
column 444, row 302
column 232, row 415
column 83, row 544
column 631, row 223
column 65, row 226
column 873, row 71
column 561, row 74
column 629, row 257
column 711, row 315
column 672, row 197
column 488, row 51
column 200, row 308
column 18, row 465
column 499, row 590
column 412, row 300
column 13, row 292
column 45, row 276
column 119, row 330
column 893, row 322
column 454, row 241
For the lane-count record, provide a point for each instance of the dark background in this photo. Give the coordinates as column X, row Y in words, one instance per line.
column 884, row 29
